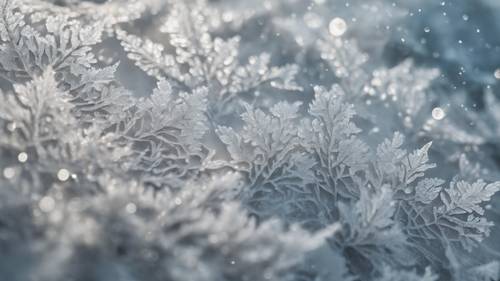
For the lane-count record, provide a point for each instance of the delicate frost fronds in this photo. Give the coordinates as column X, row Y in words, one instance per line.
column 41, row 130
column 149, row 56
column 102, row 183
column 428, row 189
column 109, row 13
column 390, row 153
column 400, row 203
column 165, row 132
column 65, row 44
column 427, row 210
column 462, row 197
column 184, row 113
column 371, row 230
column 331, row 138
column 126, row 231
column 267, row 152
column 399, row 166
column 80, row 213
column 37, row 113
column 211, row 61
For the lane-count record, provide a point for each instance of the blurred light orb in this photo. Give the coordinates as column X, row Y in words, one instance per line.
column 63, row 175
column 337, row 27
column 438, row 113
column 9, row 173
column 47, row 204
column 22, row 157
column 131, row 208
column 497, row 73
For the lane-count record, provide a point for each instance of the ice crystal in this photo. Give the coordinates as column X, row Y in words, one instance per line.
column 337, row 27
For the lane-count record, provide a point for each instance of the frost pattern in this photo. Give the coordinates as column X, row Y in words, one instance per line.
column 267, row 152
column 102, row 183
column 165, row 132
column 202, row 60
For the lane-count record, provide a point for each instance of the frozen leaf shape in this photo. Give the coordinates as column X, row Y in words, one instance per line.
column 276, row 169
column 416, row 164
column 463, row 197
column 64, row 44
column 456, row 218
column 376, row 210
column 425, row 216
column 397, row 164
column 331, row 138
column 38, row 112
column 428, row 189
column 371, row 229
column 389, row 153
column 149, row 56
column 165, row 132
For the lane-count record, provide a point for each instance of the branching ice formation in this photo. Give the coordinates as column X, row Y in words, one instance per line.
column 242, row 163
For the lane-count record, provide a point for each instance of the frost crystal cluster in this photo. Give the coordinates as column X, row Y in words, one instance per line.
column 199, row 140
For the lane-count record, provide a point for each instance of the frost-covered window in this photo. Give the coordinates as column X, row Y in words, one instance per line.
column 236, row 140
